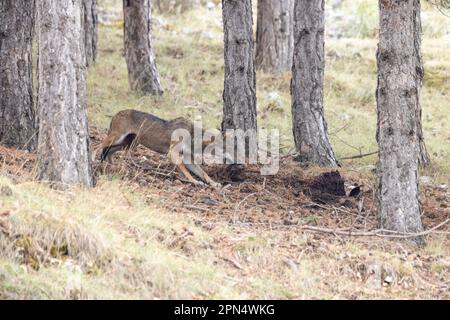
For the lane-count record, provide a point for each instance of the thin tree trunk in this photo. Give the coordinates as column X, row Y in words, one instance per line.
column 397, row 102
column 275, row 35
column 142, row 72
column 240, row 85
column 17, row 116
column 309, row 125
column 90, row 30
column 63, row 147
column 424, row 158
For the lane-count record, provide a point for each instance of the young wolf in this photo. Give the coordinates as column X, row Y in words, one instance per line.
column 130, row 128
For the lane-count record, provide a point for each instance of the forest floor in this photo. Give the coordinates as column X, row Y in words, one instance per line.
column 144, row 233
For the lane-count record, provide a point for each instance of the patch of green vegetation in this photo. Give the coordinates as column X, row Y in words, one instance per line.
column 438, row 267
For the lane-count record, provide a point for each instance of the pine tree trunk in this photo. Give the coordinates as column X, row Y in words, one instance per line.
column 240, row 85
column 309, row 125
column 63, row 147
column 90, row 30
column 17, row 116
column 142, row 72
column 275, row 35
column 424, row 158
column 397, row 102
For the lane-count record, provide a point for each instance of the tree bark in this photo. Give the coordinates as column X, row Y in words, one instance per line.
column 17, row 116
column 424, row 158
column 142, row 72
column 90, row 30
column 63, row 147
column 397, row 131
column 275, row 35
column 239, row 93
column 309, row 125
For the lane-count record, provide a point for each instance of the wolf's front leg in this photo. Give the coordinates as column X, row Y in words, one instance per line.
column 195, row 169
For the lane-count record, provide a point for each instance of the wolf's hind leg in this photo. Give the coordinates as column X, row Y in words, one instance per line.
column 108, row 152
column 125, row 142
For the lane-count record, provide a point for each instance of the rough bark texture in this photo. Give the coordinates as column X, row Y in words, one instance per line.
column 397, row 102
column 239, row 93
column 424, row 158
column 17, row 116
column 90, row 30
column 309, row 125
column 63, row 147
column 142, row 72
column 275, row 35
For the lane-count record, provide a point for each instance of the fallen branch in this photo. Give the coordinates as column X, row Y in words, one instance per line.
column 382, row 233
